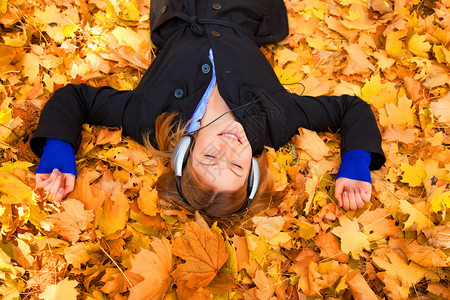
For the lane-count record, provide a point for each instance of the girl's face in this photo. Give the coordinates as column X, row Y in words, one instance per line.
column 222, row 155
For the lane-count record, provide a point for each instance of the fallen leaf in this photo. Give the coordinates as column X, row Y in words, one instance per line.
column 441, row 108
column 70, row 223
column 359, row 287
column 65, row 289
column 313, row 145
column 203, row 251
column 155, row 268
column 113, row 216
column 426, row 256
column 330, row 247
column 352, row 239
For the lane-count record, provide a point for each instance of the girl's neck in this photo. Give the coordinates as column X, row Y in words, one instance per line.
column 216, row 107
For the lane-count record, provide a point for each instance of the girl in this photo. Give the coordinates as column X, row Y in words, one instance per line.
column 210, row 74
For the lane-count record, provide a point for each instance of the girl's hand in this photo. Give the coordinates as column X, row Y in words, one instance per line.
column 56, row 184
column 352, row 194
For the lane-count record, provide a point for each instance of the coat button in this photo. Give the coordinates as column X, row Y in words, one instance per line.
column 178, row 93
column 206, row 68
column 215, row 33
column 163, row 9
column 217, row 6
column 248, row 96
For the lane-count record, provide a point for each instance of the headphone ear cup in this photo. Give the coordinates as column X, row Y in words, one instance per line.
column 180, row 154
column 253, row 179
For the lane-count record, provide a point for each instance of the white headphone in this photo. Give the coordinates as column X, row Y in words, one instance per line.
column 180, row 157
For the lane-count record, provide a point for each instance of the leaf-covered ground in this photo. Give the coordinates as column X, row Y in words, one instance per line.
column 112, row 238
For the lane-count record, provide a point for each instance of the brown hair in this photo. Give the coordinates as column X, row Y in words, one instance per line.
column 201, row 197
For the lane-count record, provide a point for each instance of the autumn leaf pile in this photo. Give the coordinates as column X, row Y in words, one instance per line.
column 113, row 238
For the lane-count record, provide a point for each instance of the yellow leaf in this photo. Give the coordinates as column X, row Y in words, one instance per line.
column 130, row 37
column 352, row 239
column 3, row 6
column 13, row 190
column 64, row 289
column 113, row 216
column 441, row 202
column 284, row 56
column 203, row 251
column 268, row 227
column 30, row 63
column 401, row 115
column 317, row 42
column 396, row 265
column 378, row 94
column 418, row 46
column 383, row 62
column 311, row 142
column 416, row 217
column 71, row 222
column 148, row 200
column 441, row 108
column 394, row 45
column 76, row 255
column 413, row 175
column 155, row 268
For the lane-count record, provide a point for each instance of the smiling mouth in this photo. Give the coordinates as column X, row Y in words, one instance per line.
column 231, row 135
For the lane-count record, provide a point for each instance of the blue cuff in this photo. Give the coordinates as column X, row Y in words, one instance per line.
column 355, row 165
column 57, row 154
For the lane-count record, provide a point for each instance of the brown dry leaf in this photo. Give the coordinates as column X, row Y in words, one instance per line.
column 358, row 62
column 359, row 287
column 396, row 266
column 377, row 226
column 155, row 268
column 265, row 287
column 109, row 136
column 439, row 290
column 394, row 287
column 324, row 275
column 441, row 108
column 393, row 133
column 438, row 235
column 70, row 223
column 64, row 289
column 203, row 251
column 330, row 247
column 301, row 268
column 426, row 256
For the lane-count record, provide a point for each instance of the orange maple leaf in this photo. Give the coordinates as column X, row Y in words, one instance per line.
column 204, row 253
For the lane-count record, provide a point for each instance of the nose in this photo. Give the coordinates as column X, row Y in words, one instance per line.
column 227, row 149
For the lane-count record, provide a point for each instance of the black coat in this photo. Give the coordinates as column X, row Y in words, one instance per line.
column 181, row 72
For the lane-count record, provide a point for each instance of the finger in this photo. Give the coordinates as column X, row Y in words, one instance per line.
column 338, row 192
column 366, row 195
column 358, row 198
column 59, row 195
column 56, row 184
column 40, row 179
column 346, row 201
column 49, row 182
column 351, row 198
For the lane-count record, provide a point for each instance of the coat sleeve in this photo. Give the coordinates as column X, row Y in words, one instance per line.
column 348, row 115
column 72, row 106
column 274, row 26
